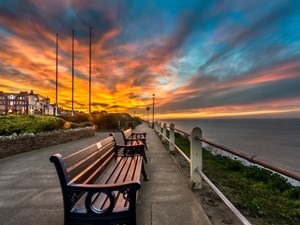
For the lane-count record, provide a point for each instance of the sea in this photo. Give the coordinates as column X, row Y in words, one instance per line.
column 276, row 140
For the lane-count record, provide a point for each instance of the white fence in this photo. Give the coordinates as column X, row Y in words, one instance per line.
column 195, row 160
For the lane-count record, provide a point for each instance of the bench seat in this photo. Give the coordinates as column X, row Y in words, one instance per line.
column 100, row 183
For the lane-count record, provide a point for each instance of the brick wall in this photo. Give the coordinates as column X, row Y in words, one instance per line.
column 16, row 144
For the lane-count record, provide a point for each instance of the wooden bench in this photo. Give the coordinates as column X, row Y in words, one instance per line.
column 99, row 183
column 135, row 138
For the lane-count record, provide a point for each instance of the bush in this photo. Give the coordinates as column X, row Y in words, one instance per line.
column 20, row 124
column 77, row 118
column 113, row 121
column 86, row 124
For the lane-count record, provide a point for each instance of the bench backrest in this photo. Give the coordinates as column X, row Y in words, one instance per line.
column 83, row 166
column 127, row 133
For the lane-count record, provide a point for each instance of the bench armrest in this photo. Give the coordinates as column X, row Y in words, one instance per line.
column 131, row 150
column 127, row 189
column 139, row 135
column 130, row 146
column 143, row 133
column 136, row 185
column 135, row 139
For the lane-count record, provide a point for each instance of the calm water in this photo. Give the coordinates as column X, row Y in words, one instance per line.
column 277, row 140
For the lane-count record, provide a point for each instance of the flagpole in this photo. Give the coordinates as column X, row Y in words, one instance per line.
column 90, row 71
column 73, row 74
column 56, row 104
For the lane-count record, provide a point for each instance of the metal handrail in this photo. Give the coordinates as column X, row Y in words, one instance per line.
column 251, row 158
column 255, row 159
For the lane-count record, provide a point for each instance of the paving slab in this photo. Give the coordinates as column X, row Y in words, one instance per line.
column 166, row 198
column 30, row 191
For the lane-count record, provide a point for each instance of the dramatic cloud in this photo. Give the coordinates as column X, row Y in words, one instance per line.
column 200, row 58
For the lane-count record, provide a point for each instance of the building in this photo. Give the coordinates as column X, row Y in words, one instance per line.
column 27, row 103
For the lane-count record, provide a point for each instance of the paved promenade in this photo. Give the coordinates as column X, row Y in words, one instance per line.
column 30, row 191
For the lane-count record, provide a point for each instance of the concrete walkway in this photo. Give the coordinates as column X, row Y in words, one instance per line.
column 30, row 191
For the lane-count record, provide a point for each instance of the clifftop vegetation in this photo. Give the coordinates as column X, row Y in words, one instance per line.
column 264, row 197
column 22, row 124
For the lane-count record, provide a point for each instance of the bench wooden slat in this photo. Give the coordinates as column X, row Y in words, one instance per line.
column 71, row 159
column 129, row 165
column 90, row 176
column 111, row 177
column 81, row 162
column 131, row 175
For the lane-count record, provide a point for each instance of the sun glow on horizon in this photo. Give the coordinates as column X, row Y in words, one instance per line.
column 232, row 68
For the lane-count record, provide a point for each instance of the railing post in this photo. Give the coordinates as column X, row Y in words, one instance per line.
column 156, row 125
column 164, row 132
column 159, row 128
column 196, row 157
column 172, row 137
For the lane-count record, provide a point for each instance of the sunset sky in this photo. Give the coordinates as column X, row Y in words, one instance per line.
column 229, row 58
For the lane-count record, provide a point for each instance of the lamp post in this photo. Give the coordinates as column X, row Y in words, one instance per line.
column 148, row 108
column 153, row 111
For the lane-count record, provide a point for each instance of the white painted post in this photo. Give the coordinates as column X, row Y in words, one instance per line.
column 159, row 128
column 172, row 137
column 155, row 126
column 196, row 157
column 164, row 132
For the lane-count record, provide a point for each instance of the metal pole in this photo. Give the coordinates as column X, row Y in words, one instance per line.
column 90, row 74
column 56, row 104
column 73, row 74
column 153, row 111
column 148, row 108
column 256, row 159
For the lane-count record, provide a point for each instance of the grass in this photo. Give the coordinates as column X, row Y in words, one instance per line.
column 264, row 197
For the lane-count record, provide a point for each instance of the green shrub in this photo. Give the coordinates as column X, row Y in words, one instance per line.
column 86, row 124
column 75, row 125
column 77, row 118
column 111, row 121
column 293, row 193
column 10, row 124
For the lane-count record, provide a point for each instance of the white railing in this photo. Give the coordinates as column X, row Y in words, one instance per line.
column 195, row 160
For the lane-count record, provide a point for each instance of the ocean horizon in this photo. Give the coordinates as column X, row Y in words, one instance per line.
column 274, row 139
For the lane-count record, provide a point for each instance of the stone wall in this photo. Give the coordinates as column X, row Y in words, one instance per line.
column 16, row 144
